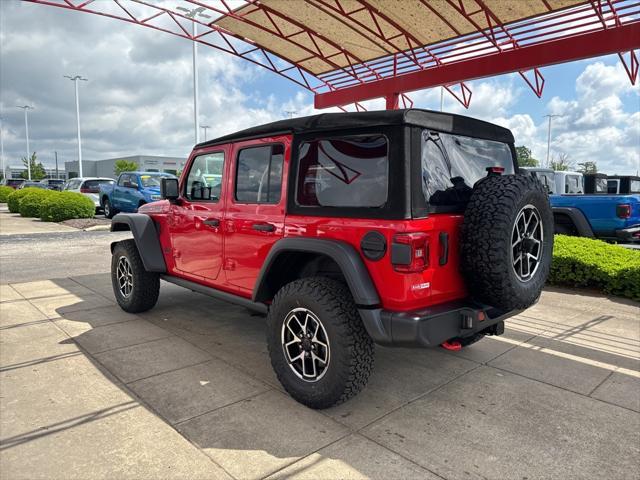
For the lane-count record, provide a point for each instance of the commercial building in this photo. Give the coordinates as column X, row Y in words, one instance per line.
column 15, row 171
column 106, row 167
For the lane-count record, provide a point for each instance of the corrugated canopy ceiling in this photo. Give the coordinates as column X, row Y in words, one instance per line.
column 324, row 35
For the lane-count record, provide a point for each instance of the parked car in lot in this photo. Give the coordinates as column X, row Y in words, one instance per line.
column 623, row 184
column 131, row 191
column 604, row 216
column 90, row 187
column 402, row 227
column 13, row 182
column 595, row 215
column 53, row 183
column 32, row 184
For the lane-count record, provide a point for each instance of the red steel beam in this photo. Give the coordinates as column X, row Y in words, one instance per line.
column 577, row 47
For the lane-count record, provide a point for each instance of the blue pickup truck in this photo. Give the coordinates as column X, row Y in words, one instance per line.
column 596, row 213
column 132, row 190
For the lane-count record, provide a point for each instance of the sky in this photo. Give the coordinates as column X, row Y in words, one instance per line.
column 138, row 100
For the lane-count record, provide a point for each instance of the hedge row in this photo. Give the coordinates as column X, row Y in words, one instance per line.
column 5, row 192
column 584, row 262
column 50, row 205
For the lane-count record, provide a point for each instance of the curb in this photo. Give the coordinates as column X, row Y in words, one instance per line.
column 98, row 228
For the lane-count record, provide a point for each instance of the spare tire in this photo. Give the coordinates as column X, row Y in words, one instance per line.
column 507, row 241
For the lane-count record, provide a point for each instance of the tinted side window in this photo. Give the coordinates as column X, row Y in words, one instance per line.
column 204, row 182
column 344, row 172
column 259, row 174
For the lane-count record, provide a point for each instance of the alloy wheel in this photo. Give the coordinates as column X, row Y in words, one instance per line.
column 305, row 344
column 527, row 243
column 125, row 277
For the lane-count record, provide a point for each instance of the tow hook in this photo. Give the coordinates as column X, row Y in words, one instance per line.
column 452, row 346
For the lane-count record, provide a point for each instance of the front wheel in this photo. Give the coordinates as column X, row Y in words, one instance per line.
column 108, row 209
column 318, row 345
column 135, row 289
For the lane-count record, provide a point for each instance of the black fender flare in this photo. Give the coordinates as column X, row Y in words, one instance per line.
column 577, row 217
column 146, row 237
column 346, row 257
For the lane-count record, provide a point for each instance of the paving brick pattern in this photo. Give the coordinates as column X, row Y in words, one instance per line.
column 186, row 390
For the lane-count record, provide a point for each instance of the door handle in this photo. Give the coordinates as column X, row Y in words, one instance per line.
column 263, row 227
column 212, row 222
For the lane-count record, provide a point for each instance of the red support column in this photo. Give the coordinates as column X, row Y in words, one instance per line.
column 393, row 101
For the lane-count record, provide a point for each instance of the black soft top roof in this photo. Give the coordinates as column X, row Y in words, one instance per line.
column 443, row 122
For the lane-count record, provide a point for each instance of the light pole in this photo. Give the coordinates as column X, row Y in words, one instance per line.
column 26, row 130
column 194, row 25
column 205, row 128
column 75, row 79
column 549, row 136
column 4, row 172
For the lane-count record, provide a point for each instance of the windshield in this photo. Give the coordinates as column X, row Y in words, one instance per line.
column 452, row 164
column 152, row 180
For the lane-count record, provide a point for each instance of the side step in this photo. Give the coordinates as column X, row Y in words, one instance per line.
column 220, row 295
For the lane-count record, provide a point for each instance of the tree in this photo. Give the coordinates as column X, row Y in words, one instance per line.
column 588, row 167
column 561, row 163
column 37, row 169
column 124, row 166
column 524, row 157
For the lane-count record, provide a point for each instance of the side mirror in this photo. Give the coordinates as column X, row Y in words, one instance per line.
column 169, row 188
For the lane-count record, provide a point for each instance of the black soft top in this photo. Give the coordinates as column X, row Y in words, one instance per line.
column 443, row 122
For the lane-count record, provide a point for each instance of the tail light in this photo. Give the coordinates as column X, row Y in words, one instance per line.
column 623, row 210
column 410, row 252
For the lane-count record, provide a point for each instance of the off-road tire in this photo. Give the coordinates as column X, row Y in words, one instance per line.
column 107, row 209
column 352, row 350
column 146, row 285
column 486, row 260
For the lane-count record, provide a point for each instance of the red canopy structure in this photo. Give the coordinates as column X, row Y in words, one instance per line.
column 348, row 51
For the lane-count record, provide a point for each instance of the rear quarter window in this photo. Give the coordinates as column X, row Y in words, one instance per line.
column 349, row 171
column 452, row 164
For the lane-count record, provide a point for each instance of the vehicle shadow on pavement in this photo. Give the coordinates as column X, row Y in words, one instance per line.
column 560, row 381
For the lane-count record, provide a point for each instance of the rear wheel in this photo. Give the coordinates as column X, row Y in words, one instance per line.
column 318, row 345
column 135, row 289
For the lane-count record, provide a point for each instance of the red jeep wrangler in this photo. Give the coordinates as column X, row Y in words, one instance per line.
column 405, row 227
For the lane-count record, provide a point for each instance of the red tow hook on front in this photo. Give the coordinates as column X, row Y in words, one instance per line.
column 452, row 346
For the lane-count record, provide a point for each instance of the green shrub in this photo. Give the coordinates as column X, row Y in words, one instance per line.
column 13, row 200
column 583, row 262
column 65, row 206
column 5, row 192
column 31, row 203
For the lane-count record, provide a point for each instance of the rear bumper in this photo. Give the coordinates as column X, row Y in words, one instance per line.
column 432, row 326
column 629, row 234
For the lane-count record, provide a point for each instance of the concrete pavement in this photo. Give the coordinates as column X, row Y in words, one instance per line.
column 186, row 390
column 13, row 223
